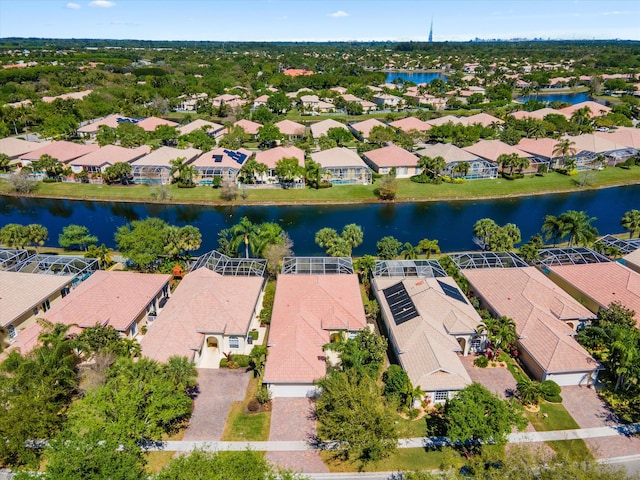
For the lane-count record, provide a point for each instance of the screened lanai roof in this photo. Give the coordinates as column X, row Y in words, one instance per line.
column 225, row 265
column 467, row 260
column 408, row 268
column 317, row 265
column 625, row 246
column 570, row 256
column 10, row 256
column 79, row 267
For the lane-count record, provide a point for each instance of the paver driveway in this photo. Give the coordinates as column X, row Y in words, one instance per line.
column 497, row 380
column 218, row 390
column 292, row 419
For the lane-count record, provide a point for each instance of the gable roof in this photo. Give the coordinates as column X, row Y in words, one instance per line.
column 21, row 292
column 62, row 150
column 425, row 345
column 271, row 157
column 338, row 157
column 543, row 147
column 199, row 124
column 151, row 123
column 448, row 151
column 539, row 308
column 306, row 308
column 492, row 149
column 163, row 155
column 14, row 147
column 605, row 283
column 110, row 154
column 205, row 302
column 392, row 156
column 321, row 128
column 593, row 143
column 365, row 127
column 411, row 123
column 249, row 127
column 108, row 298
column 288, row 127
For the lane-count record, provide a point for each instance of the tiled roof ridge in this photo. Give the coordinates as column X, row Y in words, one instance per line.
column 348, row 315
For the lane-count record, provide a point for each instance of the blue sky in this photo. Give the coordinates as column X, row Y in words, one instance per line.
column 320, row 20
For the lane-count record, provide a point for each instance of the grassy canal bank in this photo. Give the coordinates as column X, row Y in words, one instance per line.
column 408, row 191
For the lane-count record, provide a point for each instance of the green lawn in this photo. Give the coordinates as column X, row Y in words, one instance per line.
column 242, row 425
column 557, row 418
column 403, row 459
column 411, row 428
column 408, row 191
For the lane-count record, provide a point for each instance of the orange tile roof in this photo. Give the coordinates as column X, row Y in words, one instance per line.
column 627, row 136
column 539, row 146
column 595, row 108
column 205, row 302
column 288, row 127
column 492, row 149
column 411, row 123
column 365, row 127
column 605, row 283
column 62, row 150
column 271, row 157
column 108, row 298
column 151, row 123
column 14, row 147
column 109, row 121
column 249, row 127
column 305, row 310
column 110, row 154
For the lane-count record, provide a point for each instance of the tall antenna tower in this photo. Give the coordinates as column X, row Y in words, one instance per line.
column 431, row 31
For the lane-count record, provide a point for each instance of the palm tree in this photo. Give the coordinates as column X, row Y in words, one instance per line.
column 631, row 221
column 553, row 228
column 529, row 392
column 578, row 226
column 501, row 332
column 410, row 252
column 4, row 162
column 484, row 228
column 581, row 116
column 565, row 148
column 352, row 234
column 178, row 166
column 244, row 231
column 431, row 167
column 429, row 246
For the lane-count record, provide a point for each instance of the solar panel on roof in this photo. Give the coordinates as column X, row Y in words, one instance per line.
column 217, row 158
column 452, row 292
column 400, row 303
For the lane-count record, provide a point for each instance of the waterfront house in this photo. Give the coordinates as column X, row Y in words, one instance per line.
column 61, row 150
column 271, row 157
column 343, row 166
column 155, row 168
column 429, row 322
column 14, row 147
column 219, row 162
column 491, row 150
column 317, row 301
column 99, row 160
column 213, row 311
column 382, row 160
column 454, row 157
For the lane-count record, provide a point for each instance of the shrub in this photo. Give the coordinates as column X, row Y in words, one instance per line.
column 186, row 184
column 325, row 185
column 254, row 334
column 216, row 182
column 253, row 405
column 413, row 413
column 223, row 363
column 554, row 399
column 481, row 362
column 263, row 395
column 241, row 360
column 551, row 391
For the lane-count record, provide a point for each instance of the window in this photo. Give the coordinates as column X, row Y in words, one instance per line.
column 46, row 305
column 234, row 342
column 440, row 396
column 36, row 310
column 476, row 343
column 11, row 331
column 133, row 330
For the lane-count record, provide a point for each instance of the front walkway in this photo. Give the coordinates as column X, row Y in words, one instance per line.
column 590, row 411
column 292, row 419
column 219, row 388
column 497, row 380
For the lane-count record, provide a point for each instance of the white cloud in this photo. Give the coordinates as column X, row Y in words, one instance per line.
column 73, row 5
column 338, row 14
column 101, row 4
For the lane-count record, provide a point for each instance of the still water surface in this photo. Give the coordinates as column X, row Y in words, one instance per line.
column 449, row 222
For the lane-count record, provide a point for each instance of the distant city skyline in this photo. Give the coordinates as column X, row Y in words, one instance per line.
column 319, row 20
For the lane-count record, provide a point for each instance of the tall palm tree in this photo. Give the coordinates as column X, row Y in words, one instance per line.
column 578, row 226
column 178, row 166
column 429, row 246
column 553, row 228
column 484, row 228
column 565, row 148
column 501, row 332
column 244, row 231
column 410, row 252
column 631, row 221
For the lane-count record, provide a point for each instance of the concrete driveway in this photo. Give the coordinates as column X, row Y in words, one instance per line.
column 219, row 388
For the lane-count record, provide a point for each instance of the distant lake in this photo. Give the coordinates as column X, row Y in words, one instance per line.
column 569, row 97
column 415, row 77
column 450, row 222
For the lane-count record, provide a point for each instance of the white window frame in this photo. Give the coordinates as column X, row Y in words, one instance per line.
column 440, row 396
column 234, row 342
column 133, row 329
column 11, row 332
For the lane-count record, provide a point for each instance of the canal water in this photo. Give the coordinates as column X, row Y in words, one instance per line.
column 569, row 97
column 449, row 222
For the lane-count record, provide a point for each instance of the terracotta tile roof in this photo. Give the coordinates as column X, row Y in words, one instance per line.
column 427, row 349
column 62, row 150
column 539, row 146
column 539, row 308
column 207, row 159
column 633, row 258
column 26, row 340
column 21, row 292
column 411, row 123
column 448, row 151
column 593, row 143
column 151, row 123
column 287, row 127
column 595, row 108
column 163, row 155
column 627, row 136
column 483, row 119
column 492, row 149
column 198, row 124
column 14, row 147
column 434, row 122
column 271, row 157
column 364, row 128
column 321, row 128
column 110, row 154
column 338, row 157
column 392, row 156
column 249, row 127
column 108, row 298
column 204, row 302
column 537, row 114
column 605, row 283
column 109, row 121
column 305, row 310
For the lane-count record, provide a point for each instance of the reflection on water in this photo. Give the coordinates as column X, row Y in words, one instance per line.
column 448, row 222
